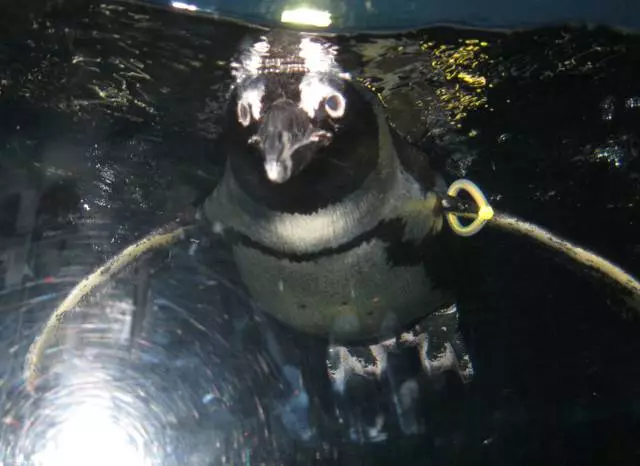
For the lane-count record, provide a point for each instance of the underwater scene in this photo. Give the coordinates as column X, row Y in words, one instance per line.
column 222, row 244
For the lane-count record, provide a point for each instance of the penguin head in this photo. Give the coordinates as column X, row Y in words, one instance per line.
column 291, row 102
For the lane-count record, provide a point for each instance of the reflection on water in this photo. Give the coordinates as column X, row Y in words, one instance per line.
column 109, row 120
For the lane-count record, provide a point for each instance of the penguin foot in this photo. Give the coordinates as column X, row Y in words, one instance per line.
column 411, row 368
column 436, row 341
column 440, row 345
column 405, row 386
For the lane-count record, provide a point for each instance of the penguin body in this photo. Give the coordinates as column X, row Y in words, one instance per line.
column 340, row 248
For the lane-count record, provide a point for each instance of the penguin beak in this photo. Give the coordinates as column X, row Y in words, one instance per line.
column 287, row 130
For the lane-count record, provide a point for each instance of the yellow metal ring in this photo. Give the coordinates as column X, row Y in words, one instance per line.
column 484, row 214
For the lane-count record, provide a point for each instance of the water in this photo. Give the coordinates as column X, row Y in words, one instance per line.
column 109, row 120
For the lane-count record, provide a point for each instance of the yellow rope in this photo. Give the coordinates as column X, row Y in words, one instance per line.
column 588, row 258
column 508, row 222
column 157, row 239
column 484, row 214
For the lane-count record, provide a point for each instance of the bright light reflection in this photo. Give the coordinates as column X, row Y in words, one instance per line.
column 89, row 435
column 307, row 17
column 184, row 6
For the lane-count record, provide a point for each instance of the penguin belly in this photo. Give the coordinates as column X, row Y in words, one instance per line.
column 349, row 295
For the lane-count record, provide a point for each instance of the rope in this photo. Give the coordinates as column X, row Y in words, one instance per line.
column 486, row 215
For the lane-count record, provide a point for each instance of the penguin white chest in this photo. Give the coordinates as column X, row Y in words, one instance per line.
column 348, row 295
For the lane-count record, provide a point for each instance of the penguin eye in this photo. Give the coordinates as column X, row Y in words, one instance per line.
column 335, row 105
column 244, row 113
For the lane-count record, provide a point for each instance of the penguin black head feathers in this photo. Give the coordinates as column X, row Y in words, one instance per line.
column 292, row 104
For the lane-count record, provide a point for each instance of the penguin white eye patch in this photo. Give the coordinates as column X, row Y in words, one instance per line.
column 314, row 90
column 250, row 105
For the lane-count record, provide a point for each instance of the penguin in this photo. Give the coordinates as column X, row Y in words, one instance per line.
column 330, row 215
column 334, row 220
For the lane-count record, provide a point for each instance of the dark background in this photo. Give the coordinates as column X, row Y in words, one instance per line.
column 116, row 108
